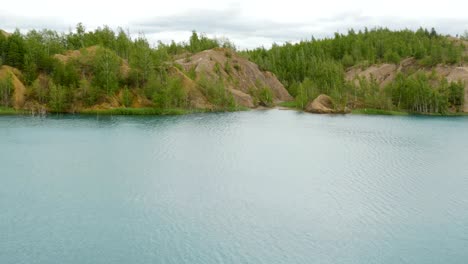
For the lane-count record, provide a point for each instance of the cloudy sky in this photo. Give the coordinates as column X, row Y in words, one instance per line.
column 249, row 23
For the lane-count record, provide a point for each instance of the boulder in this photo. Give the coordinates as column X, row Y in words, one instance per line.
column 323, row 104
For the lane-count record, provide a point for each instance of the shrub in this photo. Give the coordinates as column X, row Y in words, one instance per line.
column 171, row 95
column 6, row 90
column 216, row 92
column 127, row 97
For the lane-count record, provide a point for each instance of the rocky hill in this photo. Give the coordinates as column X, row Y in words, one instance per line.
column 418, row 72
column 242, row 80
column 385, row 74
column 242, row 77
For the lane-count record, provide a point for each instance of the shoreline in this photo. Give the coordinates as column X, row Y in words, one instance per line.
column 180, row 111
column 121, row 111
column 370, row 111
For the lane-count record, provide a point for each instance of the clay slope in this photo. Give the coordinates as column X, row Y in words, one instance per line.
column 196, row 98
column 19, row 88
column 240, row 76
column 454, row 74
column 4, row 33
column 386, row 73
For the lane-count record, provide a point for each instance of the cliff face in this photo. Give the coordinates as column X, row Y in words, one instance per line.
column 386, row 73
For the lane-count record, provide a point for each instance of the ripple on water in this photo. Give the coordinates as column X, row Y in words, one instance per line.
column 247, row 187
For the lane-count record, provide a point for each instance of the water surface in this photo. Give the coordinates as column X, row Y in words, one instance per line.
column 248, row 187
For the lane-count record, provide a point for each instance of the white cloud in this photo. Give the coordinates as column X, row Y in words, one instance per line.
column 248, row 23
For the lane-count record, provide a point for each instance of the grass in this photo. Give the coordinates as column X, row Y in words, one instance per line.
column 289, row 104
column 371, row 111
column 136, row 111
column 11, row 111
column 230, row 109
column 179, row 111
column 156, row 111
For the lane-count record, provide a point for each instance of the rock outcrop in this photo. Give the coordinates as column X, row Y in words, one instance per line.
column 240, row 76
column 323, row 104
column 384, row 74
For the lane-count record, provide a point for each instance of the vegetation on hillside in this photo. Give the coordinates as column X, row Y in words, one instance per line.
column 86, row 68
column 317, row 66
column 106, row 63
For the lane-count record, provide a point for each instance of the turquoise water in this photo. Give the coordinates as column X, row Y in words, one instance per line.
column 249, row 187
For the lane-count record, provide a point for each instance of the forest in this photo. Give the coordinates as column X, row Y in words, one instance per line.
column 317, row 66
column 97, row 72
column 307, row 68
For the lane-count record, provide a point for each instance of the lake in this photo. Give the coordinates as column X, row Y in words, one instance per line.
column 269, row 186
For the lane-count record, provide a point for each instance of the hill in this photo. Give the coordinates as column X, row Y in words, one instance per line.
column 386, row 74
column 415, row 71
column 243, row 79
column 4, row 33
column 412, row 71
column 195, row 82
column 17, row 91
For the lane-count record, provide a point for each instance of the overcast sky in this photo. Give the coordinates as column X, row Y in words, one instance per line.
column 249, row 23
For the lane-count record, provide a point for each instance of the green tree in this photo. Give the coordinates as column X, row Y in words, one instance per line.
column 66, row 74
column 306, row 92
column 141, row 62
column 456, row 94
column 123, row 44
column 126, row 97
column 201, row 42
column 6, row 90
column 57, row 97
column 171, row 95
column 216, row 92
column 3, row 48
column 39, row 91
column 106, row 67
column 30, row 69
column 15, row 50
column 392, row 56
column 348, row 60
column 77, row 40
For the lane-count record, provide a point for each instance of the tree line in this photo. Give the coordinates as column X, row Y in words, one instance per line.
column 318, row 66
column 108, row 60
column 111, row 61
